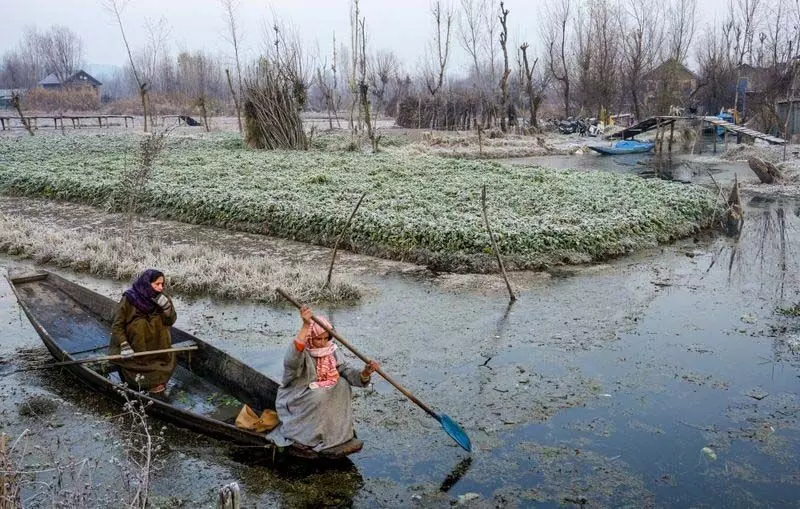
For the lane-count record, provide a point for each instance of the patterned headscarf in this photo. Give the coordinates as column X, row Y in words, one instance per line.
column 141, row 293
column 324, row 360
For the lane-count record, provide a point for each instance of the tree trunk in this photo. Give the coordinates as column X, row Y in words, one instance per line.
column 767, row 172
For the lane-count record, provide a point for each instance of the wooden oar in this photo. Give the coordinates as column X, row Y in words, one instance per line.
column 448, row 424
column 190, row 345
column 120, row 356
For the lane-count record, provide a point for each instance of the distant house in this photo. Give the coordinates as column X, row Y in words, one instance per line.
column 669, row 84
column 79, row 79
column 50, row 82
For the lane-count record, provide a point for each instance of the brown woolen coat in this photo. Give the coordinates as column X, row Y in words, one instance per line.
column 143, row 332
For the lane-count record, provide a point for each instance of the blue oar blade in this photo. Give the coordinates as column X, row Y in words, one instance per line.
column 455, row 432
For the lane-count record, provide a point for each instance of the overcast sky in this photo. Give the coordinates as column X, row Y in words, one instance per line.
column 403, row 26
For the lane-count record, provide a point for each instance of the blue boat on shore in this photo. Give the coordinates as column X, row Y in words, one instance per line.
column 625, row 147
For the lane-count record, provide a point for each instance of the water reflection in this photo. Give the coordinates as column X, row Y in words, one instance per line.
column 763, row 250
column 456, row 474
column 301, row 483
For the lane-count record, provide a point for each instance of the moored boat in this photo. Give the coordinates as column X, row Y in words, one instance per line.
column 625, row 147
column 206, row 392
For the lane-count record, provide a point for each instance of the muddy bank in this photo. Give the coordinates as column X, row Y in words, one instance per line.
column 603, row 385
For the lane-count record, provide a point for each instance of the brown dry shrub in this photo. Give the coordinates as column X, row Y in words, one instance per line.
column 62, row 100
column 165, row 104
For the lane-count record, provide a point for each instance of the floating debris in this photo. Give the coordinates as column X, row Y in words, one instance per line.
column 709, row 452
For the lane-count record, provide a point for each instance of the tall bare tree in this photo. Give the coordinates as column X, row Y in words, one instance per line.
column 434, row 71
column 535, row 86
column 355, row 14
column 61, row 50
column 506, row 69
column 644, row 37
column 230, row 7
column 116, row 7
column 681, row 22
column 557, row 27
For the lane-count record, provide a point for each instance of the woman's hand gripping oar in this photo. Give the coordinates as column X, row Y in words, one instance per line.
column 449, row 425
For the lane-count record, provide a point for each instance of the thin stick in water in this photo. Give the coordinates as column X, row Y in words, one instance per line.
column 494, row 245
column 341, row 235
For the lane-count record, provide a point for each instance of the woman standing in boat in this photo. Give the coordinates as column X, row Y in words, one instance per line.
column 314, row 400
column 142, row 324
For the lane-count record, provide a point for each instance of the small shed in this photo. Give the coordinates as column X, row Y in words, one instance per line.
column 50, row 82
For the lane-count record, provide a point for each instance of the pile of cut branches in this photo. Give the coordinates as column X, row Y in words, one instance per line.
column 272, row 113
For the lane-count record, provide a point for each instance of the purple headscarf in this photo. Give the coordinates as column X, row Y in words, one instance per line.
column 141, row 294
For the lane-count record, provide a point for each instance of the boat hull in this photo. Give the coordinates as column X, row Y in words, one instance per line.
column 623, row 147
column 207, row 389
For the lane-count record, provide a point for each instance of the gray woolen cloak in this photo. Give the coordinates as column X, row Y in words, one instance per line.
column 317, row 418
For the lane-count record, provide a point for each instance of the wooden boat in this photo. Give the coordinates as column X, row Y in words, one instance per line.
column 206, row 392
column 625, row 147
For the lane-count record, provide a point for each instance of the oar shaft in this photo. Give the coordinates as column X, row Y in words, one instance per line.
column 361, row 356
column 119, row 357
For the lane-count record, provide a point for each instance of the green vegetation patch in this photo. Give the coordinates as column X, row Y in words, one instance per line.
column 418, row 208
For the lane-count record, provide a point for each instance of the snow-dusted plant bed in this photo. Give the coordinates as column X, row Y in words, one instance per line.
column 419, row 208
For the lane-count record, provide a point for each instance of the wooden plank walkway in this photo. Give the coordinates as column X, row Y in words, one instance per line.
column 9, row 121
column 651, row 123
column 643, row 126
column 772, row 140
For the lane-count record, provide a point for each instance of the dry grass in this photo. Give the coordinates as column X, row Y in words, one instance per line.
column 191, row 269
column 9, row 478
column 79, row 99
column 468, row 146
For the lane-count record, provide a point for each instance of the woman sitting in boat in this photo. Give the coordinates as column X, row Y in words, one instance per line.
column 142, row 324
column 314, row 400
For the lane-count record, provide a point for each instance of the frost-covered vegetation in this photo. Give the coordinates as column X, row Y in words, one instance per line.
column 191, row 270
column 418, row 208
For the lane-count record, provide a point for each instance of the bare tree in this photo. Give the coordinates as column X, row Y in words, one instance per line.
column 681, row 19
column 602, row 83
column 230, row 6
column 363, row 87
column 291, row 60
column 556, row 31
column 116, row 7
column 434, row 72
column 534, row 87
column 384, row 68
column 643, row 38
column 355, row 122
column 61, row 50
column 506, row 69
column 22, row 66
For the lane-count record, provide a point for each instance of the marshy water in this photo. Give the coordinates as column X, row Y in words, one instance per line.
column 664, row 379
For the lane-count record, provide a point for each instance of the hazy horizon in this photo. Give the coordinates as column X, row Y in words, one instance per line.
column 401, row 27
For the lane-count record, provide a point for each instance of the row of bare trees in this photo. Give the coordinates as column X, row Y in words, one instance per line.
column 57, row 50
column 591, row 57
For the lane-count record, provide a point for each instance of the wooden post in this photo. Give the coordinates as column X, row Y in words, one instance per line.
column 714, row 133
column 671, row 135
column 700, row 136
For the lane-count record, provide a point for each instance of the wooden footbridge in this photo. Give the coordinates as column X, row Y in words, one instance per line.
column 77, row 121
column 661, row 122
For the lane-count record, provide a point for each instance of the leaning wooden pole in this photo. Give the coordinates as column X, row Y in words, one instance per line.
column 339, row 239
column 494, row 245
